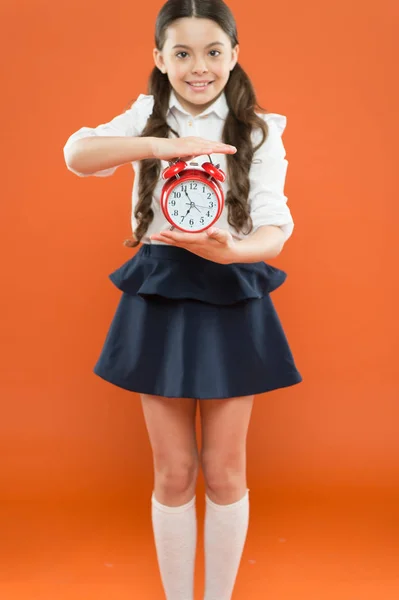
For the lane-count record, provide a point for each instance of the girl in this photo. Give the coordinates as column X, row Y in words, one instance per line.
column 195, row 323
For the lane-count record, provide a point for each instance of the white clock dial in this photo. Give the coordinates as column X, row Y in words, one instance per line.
column 192, row 205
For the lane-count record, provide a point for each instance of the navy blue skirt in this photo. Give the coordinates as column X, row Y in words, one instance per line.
column 186, row 327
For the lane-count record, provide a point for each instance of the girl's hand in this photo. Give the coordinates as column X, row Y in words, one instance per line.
column 187, row 147
column 213, row 244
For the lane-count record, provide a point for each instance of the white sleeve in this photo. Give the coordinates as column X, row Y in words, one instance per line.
column 129, row 123
column 268, row 204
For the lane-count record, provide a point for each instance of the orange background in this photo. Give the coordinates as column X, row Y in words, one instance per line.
column 76, row 467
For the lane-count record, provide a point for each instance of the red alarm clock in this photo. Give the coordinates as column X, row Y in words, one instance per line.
column 192, row 200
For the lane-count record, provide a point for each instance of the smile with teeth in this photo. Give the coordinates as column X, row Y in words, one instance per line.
column 200, row 84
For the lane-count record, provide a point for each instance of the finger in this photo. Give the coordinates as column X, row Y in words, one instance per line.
column 221, row 149
column 209, row 147
column 173, row 236
column 228, row 149
column 214, row 143
column 218, row 234
column 161, row 238
column 186, row 239
column 168, row 237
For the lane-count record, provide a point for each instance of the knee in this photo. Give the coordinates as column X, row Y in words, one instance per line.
column 176, row 476
column 225, row 474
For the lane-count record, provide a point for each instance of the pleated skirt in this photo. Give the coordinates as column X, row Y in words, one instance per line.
column 186, row 327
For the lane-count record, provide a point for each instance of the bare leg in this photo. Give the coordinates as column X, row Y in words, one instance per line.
column 171, row 428
column 224, row 429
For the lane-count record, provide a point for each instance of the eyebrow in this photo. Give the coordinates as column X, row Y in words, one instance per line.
column 208, row 46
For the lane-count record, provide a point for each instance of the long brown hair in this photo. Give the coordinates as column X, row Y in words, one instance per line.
column 239, row 124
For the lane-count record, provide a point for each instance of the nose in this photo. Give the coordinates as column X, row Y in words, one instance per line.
column 199, row 66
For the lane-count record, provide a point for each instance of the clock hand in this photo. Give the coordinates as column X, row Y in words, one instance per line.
column 186, row 214
column 195, row 206
column 185, row 191
column 191, row 202
column 200, row 205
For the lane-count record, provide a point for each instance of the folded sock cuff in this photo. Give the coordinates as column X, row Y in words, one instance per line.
column 227, row 506
column 172, row 509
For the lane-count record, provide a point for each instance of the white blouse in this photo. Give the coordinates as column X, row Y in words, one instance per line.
column 268, row 204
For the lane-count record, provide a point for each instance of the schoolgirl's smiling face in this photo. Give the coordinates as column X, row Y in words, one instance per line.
column 197, row 57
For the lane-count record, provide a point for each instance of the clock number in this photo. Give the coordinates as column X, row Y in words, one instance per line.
column 191, row 221
column 176, row 195
column 183, row 188
column 209, row 196
column 211, row 204
column 193, row 186
column 175, row 213
column 173, row 202
column 202, row 220
column 209, row 214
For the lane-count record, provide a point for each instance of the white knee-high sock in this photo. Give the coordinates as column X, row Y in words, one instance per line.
column 226, row 530
column 175, row 533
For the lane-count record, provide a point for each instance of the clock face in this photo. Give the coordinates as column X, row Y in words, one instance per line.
column 192, row 205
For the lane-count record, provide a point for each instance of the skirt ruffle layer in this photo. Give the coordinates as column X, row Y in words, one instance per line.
column 186, row 327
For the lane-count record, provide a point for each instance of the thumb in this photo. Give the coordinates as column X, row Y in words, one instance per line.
column 218, row 234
